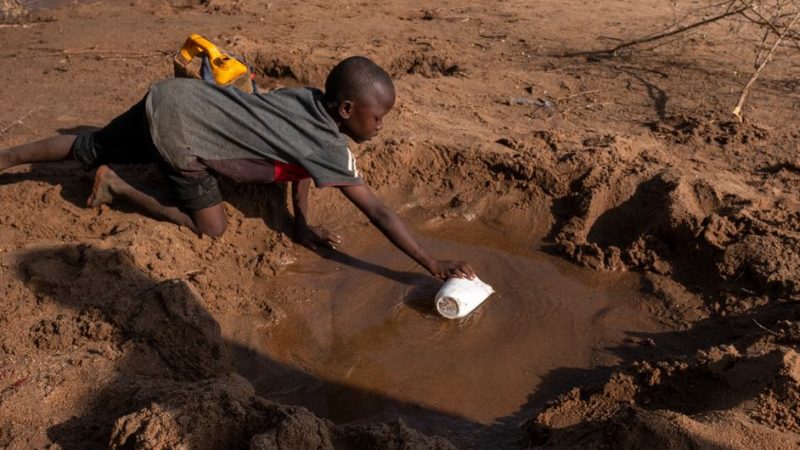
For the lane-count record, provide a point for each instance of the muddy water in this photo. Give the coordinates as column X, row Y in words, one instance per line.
column 361, row 339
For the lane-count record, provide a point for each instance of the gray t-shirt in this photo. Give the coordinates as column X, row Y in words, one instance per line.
column 198, row 126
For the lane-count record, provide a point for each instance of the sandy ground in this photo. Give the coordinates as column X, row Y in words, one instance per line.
column 116, row 327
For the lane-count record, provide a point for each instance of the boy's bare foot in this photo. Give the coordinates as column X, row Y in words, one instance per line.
column 104, row 180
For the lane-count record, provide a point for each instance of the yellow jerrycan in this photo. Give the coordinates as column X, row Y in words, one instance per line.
column 225, row 69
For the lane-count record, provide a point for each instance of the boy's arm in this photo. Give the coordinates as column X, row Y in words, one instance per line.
column 396, row 231
column 306, row 235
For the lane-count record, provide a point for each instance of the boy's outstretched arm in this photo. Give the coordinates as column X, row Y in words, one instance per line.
column 304, row 234
column 396, row 231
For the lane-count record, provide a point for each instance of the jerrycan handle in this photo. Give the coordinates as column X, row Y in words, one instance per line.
column 224, row 68
column 196, row 44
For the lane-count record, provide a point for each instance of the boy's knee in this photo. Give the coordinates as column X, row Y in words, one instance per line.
column 211, row 221
column 212, row 229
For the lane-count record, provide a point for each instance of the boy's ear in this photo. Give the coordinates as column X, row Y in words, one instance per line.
column 345, row 109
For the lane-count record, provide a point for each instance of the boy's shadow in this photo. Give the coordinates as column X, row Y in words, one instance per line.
column 162, row 342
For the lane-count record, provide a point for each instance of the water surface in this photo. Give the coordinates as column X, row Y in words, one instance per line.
column 367, row 344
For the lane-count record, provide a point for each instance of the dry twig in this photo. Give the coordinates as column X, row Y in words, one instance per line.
column 737, row 111
column 588, row 106
column 765, row 328
column 765, row 22
column 18, row 121
column 665, row 34
column 579, row 94
column 19, row 25
column 99, row 53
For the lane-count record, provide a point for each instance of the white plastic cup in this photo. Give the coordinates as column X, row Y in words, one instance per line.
column 460, row 296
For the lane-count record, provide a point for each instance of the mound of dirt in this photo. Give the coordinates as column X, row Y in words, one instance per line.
column 720, row 398
column 701, row 228
column 225, row 413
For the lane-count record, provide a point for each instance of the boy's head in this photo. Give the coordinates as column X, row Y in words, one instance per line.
column 358, row 93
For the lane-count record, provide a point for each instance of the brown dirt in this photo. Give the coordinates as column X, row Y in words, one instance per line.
column 111, row 321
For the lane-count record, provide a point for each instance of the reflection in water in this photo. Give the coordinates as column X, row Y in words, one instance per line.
column 381, row 334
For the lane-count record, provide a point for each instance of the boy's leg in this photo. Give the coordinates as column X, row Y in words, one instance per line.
column 55, row 148
column 108, row 185
column 125, row 140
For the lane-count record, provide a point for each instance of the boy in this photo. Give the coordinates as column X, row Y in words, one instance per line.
column 197, row 130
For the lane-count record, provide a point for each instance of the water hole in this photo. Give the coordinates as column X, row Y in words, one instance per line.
column 361, row 340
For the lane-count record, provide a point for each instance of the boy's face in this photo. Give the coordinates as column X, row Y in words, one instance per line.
column 362, row 119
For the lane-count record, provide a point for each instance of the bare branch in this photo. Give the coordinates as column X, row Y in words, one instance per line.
column 765, row 328
column 737, row 111
column 765, row 22
column 761, row 47
column 771, row 16
column 729, row 12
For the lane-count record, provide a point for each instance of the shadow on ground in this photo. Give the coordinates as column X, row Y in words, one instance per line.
column 172, row 365
column 173, row 374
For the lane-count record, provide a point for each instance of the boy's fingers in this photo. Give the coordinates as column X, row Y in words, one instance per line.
column 470, row 272
column 457, row 269
column 463, row 270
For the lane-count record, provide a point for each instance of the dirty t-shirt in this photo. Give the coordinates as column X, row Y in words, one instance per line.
column 283, row 135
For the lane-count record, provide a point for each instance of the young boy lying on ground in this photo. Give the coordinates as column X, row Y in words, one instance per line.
column 197, row 130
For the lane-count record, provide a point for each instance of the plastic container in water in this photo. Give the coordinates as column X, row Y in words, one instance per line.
column 460, row 296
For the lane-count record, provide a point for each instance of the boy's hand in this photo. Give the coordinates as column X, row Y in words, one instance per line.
column 448, row 269
column 313, row 237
